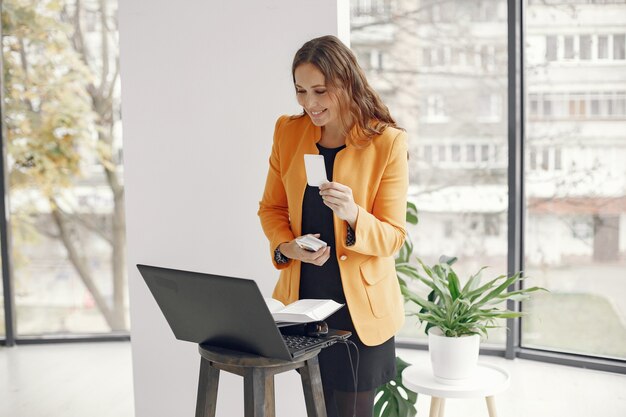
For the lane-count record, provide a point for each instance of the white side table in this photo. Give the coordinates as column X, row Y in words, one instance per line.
column 488, row 381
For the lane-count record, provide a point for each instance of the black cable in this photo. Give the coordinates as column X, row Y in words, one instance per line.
column 355, row 371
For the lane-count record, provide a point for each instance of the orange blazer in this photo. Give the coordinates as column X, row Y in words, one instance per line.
column 378, row 177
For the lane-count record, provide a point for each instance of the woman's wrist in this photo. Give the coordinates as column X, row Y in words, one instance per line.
column 282, row 248
column 279, row 257
column 352, row 219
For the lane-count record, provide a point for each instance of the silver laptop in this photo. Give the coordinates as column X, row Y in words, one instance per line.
column 226, row 312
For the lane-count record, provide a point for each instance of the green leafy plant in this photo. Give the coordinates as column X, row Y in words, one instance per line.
column 466, row 309
column 457, row 310
column 393, row 399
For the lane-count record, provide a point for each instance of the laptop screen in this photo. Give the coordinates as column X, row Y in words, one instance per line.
column 215, row 310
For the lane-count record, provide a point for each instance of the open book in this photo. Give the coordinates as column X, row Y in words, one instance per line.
column 302, row 311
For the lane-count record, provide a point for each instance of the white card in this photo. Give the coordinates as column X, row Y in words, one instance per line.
column 315, row 170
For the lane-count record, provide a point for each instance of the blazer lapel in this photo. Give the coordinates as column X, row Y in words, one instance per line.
column 310, row 136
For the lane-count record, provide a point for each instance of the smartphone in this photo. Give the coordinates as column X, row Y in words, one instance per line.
column 310, row 243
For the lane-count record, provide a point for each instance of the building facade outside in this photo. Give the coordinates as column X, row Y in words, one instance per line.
column 441, row 66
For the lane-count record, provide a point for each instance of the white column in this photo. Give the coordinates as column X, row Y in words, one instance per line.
column 202, row 85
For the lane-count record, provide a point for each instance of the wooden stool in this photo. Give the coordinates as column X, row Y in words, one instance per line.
column 258, row 381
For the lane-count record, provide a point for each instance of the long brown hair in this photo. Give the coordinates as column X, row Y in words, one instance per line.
column 358, row 102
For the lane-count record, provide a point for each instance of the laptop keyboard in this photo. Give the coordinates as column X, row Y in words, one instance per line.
column 300, row 342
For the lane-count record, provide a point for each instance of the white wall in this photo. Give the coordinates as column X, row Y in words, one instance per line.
column 202, row 85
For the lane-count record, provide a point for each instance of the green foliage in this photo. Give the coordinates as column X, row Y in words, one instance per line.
column 48, row 111
column 411, row 213
column 457, row 309
column 404, row 270
column 466, row 309
column 394, row 399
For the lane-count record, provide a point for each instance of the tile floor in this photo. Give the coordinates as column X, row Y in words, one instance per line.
column 95, row 380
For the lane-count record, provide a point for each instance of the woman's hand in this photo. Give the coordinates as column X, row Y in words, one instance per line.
column 340, row 200
column 293, row 251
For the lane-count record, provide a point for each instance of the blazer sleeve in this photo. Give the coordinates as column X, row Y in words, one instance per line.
column 273, row 207
column 382, row 232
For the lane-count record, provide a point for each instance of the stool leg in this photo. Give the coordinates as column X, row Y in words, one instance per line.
column 207, row 389
column 312, row 386
column 270, row 404
column 434, row 406
column 258, row 393
column 491, row 406
column 442, row 407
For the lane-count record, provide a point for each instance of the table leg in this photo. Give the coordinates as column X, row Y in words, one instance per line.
column 434, row 407
column 207, row 389
column 442, row 406
column 258, row 393
column 312, row 386
column 491, row 406
column 270, row 404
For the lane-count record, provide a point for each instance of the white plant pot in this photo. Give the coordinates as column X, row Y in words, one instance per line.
column 453, row 359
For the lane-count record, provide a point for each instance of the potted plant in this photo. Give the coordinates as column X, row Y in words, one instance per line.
column 394, row 399
column 458, row 314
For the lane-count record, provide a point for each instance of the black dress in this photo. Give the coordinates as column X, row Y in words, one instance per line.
column 376, row 363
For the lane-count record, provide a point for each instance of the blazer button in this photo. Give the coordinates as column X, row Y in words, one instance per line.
column 343, row 257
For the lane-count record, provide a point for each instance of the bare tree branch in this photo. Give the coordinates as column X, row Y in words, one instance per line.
column 87, row 224
column 104, row 48
column 82, row 269
column 116, row 74
column 78, row 39
column 24, row 61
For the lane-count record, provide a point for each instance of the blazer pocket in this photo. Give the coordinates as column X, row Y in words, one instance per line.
column 378, row 273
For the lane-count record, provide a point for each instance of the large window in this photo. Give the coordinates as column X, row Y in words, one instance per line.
column 444, row 81
column 61, row 116
column 575, row 177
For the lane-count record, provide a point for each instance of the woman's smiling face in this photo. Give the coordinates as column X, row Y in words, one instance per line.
column 314, row 96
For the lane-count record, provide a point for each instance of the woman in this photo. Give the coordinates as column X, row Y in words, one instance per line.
column 360, row 214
